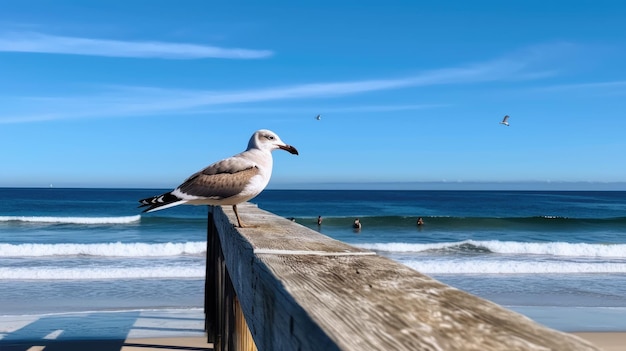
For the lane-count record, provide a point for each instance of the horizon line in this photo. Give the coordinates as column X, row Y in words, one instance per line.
column 406, row 186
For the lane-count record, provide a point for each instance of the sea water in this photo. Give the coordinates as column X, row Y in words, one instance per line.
column 558, row 257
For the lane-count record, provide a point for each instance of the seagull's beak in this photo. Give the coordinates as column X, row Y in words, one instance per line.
column 289, row 148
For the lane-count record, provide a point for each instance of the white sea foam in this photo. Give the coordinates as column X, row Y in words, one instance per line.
column 196, row 270
column 101, row 273
column 72, row 220
column 116, row 249
column 510, row 247
column 477, row 266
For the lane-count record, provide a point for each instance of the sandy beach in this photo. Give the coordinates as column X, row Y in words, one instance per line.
column 105, row 331
column 149, row 344
column 608, row 341
column 148, row 330
column 613, row 341
column 186, row 343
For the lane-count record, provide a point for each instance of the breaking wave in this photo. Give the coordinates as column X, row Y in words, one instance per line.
column 102, row 273
column 72, row 220
column 116, row 249
column 506, row 247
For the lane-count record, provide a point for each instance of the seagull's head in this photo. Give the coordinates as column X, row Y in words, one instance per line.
column 267, row 140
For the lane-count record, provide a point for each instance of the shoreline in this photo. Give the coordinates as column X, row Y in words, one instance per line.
column 139, row 344
column 154, row 330
column 608, row 341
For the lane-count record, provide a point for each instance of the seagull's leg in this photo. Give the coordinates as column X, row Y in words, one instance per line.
column 237, row 215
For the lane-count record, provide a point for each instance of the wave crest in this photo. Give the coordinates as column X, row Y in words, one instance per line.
column 477, row 266
column 72, row 220
column 507, row 247
column 116, row 249
column 58, row 273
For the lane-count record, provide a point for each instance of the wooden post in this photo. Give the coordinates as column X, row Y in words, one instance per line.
column 223, row 340
column 243, row 339
column 224, row 322
column 229, row 335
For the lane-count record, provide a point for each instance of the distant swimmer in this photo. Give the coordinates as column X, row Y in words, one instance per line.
column 318, row 117
column 420, row 221
column 319, row 220
column 357, row 224
column 505, row 121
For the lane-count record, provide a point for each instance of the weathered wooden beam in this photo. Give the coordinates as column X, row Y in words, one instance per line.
column 300, row 290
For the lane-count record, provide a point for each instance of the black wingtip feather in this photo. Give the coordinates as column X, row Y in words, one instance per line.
column 157, row 201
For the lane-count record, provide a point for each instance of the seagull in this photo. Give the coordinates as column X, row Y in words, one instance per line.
column 505, row 121
column 230, row 181
column 318, row 117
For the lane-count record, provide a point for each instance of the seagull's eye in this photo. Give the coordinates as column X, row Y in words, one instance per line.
column 270, row 137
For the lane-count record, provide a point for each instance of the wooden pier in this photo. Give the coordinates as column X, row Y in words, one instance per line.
column 282, row 286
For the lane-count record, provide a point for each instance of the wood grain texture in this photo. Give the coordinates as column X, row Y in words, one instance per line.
column 358, row 302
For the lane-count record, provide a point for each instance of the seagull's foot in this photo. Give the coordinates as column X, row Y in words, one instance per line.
column 241, row 225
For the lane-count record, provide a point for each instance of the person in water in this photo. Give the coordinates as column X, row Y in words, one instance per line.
column 319, row 220
column 420, row 221
column 357, row 224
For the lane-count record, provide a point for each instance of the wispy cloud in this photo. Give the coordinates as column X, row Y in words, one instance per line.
column 51, row 44
column 314, row 110
column 586, row 86
column 497, row 70
column 119, row 101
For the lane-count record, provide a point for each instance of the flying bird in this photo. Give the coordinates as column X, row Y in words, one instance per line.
column 505, row 121
column 318, row 117
column 230, row 181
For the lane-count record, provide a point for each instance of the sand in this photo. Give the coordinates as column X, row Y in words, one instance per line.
column 160, row 344
column 608, row 341
column 150, row 331
column 145, row 344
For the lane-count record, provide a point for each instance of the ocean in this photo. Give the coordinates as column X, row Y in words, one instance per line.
column 557, row 257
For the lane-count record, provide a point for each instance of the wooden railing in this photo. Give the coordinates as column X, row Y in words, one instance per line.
column 281, row 286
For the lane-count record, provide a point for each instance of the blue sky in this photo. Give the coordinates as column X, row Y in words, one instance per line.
column 411, row 93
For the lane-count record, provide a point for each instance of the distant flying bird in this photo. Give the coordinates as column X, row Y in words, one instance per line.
column 318, row 117
column 505, row 121
column 230, row 181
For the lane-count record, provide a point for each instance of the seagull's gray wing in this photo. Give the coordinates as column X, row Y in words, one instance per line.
column 220, row 180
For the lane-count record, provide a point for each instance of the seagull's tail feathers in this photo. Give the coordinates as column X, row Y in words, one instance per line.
column 161, row 202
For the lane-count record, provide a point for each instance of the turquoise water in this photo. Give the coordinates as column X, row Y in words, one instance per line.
column 78, row 250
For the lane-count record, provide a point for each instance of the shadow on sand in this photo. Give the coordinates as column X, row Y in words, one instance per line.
column 94, row 331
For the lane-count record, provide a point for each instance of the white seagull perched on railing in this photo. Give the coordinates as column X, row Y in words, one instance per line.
column 230, row 181
column 505, row 121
